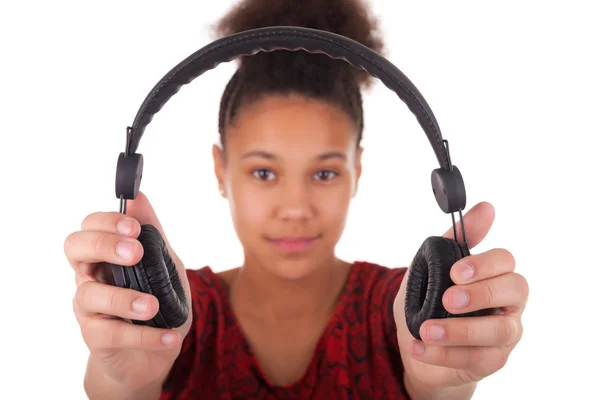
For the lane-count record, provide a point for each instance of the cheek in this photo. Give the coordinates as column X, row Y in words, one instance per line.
column 332, row 206
column 249, row 206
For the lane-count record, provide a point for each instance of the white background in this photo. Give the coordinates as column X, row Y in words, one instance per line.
column 514, row 87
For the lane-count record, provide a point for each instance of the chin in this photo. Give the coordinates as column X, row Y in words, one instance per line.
column 292, row 271
column 293, row 262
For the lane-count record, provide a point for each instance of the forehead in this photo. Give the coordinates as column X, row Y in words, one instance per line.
column 291, row 123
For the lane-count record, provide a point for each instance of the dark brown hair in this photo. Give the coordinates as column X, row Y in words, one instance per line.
column 286, row 72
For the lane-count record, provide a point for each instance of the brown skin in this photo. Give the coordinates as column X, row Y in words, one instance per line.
column 126, row 361
column 290, row 167
column 284, row 300
column 448, row 366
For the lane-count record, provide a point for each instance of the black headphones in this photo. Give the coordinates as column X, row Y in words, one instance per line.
column 429, row 273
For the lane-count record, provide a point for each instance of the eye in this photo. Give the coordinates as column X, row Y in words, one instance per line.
column 325, row 175
column 263, row 174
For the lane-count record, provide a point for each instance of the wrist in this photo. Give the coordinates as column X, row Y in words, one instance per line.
column 98, row 385
column 417, row 390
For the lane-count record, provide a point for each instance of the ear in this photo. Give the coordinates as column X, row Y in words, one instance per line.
column 358, row 169
column 359, row 154
column 219, row 167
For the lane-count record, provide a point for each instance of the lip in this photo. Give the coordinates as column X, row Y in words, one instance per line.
column 293, row 244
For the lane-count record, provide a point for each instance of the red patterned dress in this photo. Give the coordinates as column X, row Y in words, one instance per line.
column 356, row 357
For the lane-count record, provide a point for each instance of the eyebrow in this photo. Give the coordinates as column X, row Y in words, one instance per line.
column 271, row 156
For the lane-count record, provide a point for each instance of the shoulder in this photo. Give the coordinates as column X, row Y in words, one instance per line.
column 374, row 289
column 209, row 290
column 377, row 279
column 209, row 304
column 207, row 285
column 375, row 283
column 203, row 278
column 205, row 289
column 198, row 355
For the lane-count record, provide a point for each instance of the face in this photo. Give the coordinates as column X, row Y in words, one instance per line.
column 289, row 171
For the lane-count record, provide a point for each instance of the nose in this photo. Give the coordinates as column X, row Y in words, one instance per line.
column 295, row 201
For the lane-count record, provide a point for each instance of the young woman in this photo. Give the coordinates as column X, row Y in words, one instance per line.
column 293, row 321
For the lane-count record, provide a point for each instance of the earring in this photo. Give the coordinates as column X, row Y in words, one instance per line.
column 222, row 191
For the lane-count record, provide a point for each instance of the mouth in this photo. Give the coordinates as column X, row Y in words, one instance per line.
column 293, row 244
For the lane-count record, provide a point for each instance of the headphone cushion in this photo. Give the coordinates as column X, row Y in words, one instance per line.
column 156, row 274
column 428, row 279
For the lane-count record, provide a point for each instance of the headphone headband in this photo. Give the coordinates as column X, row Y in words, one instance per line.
column 447, row 182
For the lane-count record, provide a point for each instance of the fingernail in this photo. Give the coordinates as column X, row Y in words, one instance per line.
column 465, row 272
column 168, row 338
column 125, row 250
column 435, row 332
column 418, row 349
column 458, row 298
column 141, row 305
column 125, row 227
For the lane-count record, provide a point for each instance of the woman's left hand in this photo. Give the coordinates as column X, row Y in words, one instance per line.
column 462, row 351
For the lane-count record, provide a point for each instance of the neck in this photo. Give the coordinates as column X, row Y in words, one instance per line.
column 258, row 292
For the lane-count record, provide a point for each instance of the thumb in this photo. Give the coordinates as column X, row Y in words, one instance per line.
column 141, row 209
column 478, row 222
column 143, row 212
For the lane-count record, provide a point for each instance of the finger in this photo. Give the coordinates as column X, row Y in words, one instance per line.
column 478, row 362
column 508, row 290
column 112, row 222
column 93, row 247
column 486, row 331
column 101, row 334
column 482, row 266
column 97, row 298
column 98, row 272
column 477, row 221
column 87, row 272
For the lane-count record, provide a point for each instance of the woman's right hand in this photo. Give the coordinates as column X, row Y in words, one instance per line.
column 132, row 356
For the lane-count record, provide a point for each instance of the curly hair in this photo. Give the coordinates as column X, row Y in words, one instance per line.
column 285, row 72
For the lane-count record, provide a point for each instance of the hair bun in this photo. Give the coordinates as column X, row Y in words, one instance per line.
column 350, row 18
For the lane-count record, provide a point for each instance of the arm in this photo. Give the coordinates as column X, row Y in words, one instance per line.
column 99, row 386
column 418, row 392
column 392, row 285
column 417, row 389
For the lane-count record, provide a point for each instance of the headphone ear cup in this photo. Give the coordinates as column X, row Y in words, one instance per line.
column 428, row 279
column 156, row 274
